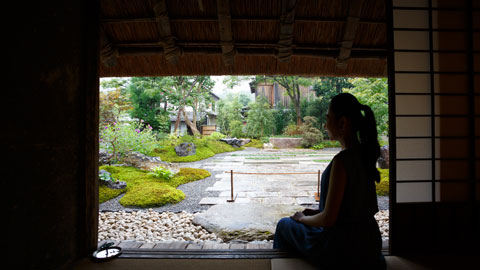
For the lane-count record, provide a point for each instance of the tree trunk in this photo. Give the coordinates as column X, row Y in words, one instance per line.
column 177, row 122
column 190, row 124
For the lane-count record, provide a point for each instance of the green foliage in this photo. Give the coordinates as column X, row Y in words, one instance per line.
column 105, row 193
column 229, row 110
column 118, row 139
column 113, row 104
column 236, row 129
column 281, row 118
column 384, row 186
column 327, row 144
column 260, row 118
column 147, row 95
column 161, row 172
column 106, row 177
column 215, row 136
column 374, row 93
column 310, row 134
column 146, row 190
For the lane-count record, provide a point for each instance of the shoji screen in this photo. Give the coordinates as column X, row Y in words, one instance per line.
column 436, row 76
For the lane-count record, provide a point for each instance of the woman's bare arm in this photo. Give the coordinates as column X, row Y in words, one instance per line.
column 336, row 189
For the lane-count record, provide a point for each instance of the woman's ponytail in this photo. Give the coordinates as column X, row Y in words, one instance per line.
column 368, row 136
column 345, row 104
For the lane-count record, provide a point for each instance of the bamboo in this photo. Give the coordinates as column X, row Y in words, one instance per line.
column 231, row 187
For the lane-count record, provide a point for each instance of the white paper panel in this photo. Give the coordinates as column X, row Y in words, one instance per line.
column 410, row 105
column 414, row 170
column 412, row 61
column 411, row 40
column 414, row 192
column 410, row 19
column 414, row 148
column 412, row 83
column 413, row 126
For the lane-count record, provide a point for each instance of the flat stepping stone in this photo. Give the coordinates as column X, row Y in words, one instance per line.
column 305, row 200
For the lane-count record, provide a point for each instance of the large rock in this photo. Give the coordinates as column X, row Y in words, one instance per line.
column 104, row 157
column 185, row 149
column 110, row 181
column 246, row 222
column 144, row 162
column 286, row 142
column 235, row 142
column 384, row 159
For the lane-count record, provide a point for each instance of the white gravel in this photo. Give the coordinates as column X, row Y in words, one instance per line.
column 151, row 227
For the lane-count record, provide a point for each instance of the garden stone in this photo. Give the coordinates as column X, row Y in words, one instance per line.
column 104, row 157
column 185, row 149
column 384, row 159
column 144, row 162
column 235, row 142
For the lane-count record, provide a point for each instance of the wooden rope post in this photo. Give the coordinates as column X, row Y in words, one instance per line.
column 317, row 196
column 231, row 187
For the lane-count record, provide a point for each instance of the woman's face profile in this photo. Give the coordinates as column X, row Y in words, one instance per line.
column 331, row 125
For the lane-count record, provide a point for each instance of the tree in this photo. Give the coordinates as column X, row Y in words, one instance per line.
column 229, row 110
column 292, row 87
column 150, row 97
column 325, row 89
column 374, row 93
column 190, row 91
column 113, row 100
column 260, row 118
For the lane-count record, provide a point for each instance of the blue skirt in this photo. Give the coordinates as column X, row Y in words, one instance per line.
column 332, row 247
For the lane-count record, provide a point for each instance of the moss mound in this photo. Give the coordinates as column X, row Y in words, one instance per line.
column 145, row 190
column 383, row 186
column 254, row 143
column 151, row 195
column 105, row 193
column 205, row 149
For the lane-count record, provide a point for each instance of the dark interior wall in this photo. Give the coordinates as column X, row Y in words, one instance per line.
column 51, row 132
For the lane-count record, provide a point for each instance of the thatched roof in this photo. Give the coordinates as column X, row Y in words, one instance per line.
column 218, row 37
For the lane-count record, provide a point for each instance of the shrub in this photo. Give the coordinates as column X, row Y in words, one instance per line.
column 384, row 185
column 161, row 172
column 119, row 139
column 327, row 144
column 292, row 130
column 215, row 136
column 310, row 134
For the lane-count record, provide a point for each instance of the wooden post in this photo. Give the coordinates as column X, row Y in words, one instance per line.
column 231, row 187
column 317, row 194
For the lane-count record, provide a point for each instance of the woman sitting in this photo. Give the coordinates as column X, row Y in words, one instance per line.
column 343, row 232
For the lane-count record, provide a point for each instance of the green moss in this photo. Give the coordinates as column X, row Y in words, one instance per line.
column 211, row 148
column 145, row 190
column 383, row 186
column 151, row 195
column 254, row 143
column 105, row 193
column 245, row 235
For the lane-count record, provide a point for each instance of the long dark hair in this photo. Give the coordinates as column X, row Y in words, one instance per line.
column 364, row 125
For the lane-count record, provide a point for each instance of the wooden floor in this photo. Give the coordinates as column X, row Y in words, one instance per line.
column 188, row 245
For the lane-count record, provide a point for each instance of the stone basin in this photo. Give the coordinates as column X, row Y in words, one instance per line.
column 286, row 142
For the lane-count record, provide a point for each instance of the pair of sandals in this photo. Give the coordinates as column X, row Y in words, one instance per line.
column 107, row 251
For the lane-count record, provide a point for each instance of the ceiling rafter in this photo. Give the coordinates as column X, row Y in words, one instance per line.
column 108, row 53
column 349, row 33
column 167, row 40
column 225, row 28
column 285, row 40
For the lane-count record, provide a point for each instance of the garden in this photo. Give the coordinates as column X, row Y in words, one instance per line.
column 140, row 130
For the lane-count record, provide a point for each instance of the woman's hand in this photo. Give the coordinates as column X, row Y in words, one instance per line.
column 297, row 216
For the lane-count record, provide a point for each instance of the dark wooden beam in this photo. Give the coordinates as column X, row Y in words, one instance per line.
column 108, row 53
column 235, row 19
column 167, row 40
column 287, row 18
column 244, row 45
column 225, row 27
column 349, row 33
column 316, row 53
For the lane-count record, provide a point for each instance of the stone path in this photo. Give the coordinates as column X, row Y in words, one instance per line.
column 289, row 189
